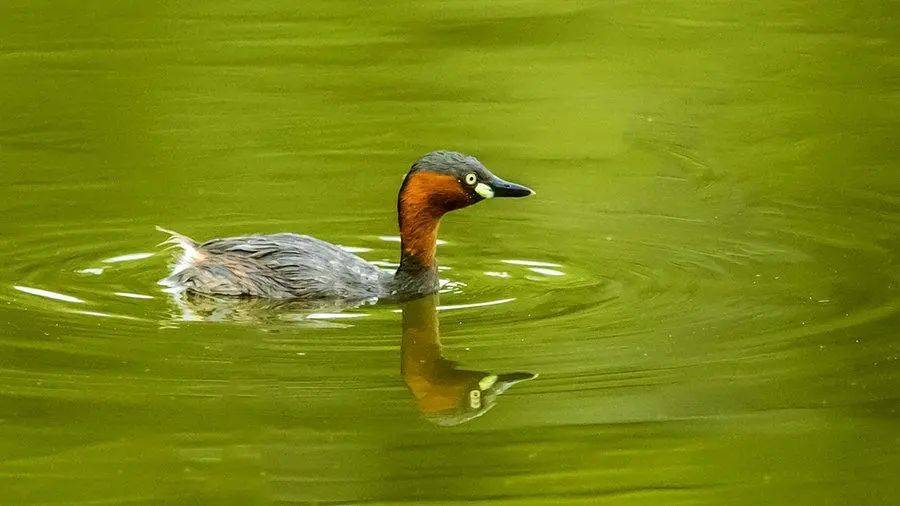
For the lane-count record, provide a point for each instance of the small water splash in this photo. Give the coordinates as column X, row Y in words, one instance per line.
column 530, row 263
column 452, row 307
column 96, row 271
column 130, row 295
column 101, row 314
column 48, row 294
column 546, row 272
column 127, row 258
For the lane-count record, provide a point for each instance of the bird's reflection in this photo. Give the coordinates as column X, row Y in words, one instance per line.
column 444, row 393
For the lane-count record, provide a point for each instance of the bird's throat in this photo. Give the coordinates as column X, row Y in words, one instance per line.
column 418, row 238
column 417, row 273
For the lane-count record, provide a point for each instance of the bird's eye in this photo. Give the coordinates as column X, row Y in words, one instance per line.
column 471, row 179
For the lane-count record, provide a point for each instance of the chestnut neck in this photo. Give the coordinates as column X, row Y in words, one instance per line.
column 425, row 197
column 417, row 273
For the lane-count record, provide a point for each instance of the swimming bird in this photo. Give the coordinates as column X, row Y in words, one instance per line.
column 292, row 266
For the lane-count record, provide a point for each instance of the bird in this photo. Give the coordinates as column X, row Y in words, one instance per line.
column 289, row 266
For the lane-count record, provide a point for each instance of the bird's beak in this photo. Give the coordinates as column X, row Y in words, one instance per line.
column 497, row 187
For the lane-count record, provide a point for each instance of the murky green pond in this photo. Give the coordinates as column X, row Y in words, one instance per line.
column 699, row 306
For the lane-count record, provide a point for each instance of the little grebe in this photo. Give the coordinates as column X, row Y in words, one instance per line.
column 291, row 266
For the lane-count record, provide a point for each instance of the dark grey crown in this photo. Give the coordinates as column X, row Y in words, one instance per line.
column 449, row 162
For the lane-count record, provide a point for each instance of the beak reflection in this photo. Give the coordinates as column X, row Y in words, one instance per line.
column 444, row 393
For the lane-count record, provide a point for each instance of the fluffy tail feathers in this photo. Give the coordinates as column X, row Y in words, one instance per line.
column 191, row 253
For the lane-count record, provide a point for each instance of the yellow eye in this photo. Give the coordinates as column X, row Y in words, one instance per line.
column 471, row 179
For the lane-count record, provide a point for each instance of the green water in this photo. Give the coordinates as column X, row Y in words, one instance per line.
column 705, row 283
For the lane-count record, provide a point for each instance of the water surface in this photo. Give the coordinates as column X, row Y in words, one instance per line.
column 705, row 285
